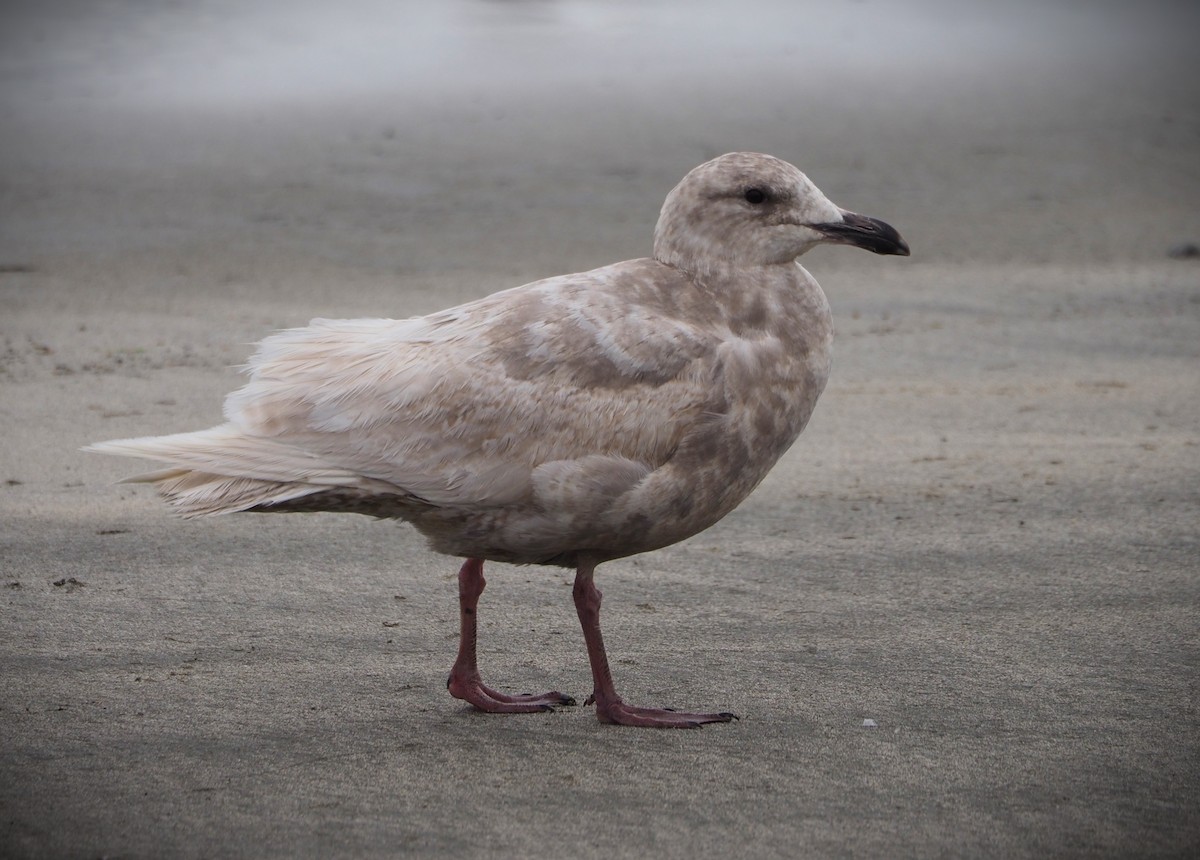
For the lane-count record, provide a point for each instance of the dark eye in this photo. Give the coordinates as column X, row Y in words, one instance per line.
column 755, row 196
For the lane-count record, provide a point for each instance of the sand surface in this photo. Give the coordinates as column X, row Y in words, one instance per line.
column 987, row 541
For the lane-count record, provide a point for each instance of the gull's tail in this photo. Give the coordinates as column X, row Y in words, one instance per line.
column 222, row 470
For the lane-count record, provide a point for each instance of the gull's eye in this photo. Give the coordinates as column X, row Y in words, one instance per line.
column 755, row 196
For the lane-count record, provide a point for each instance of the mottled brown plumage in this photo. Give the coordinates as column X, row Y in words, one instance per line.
column 569, row 421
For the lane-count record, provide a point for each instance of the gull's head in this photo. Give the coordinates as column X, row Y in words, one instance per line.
column 747, row 209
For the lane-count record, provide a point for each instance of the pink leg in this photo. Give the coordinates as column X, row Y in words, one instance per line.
column 609, row 707
column 464, row 682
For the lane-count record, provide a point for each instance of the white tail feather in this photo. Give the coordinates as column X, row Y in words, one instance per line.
column 195, row 494
column 221, row 470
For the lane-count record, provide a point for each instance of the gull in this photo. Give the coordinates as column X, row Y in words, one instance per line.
column 567, row 422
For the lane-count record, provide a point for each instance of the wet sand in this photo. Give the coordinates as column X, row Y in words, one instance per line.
column 986, row 541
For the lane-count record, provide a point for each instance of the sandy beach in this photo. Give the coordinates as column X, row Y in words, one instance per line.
column 987, row 542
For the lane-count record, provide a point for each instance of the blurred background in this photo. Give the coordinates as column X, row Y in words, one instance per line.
column 363, row 133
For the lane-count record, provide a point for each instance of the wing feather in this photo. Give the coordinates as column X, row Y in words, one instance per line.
column 462, row 406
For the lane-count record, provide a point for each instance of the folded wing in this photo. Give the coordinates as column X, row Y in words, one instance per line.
column 564, row 388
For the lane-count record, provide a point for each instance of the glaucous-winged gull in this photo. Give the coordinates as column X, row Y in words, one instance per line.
column 568, row 422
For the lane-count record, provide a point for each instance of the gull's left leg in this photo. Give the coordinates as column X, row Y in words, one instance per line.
column 464, row 681
column 609, row 706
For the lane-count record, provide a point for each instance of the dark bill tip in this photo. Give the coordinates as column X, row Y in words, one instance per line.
column 865, row 232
